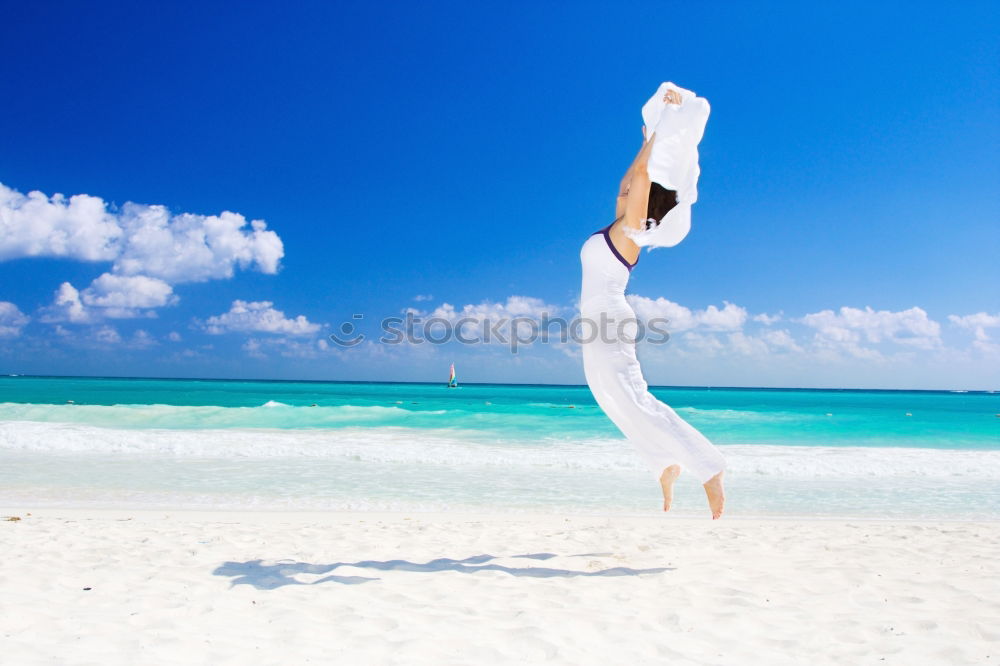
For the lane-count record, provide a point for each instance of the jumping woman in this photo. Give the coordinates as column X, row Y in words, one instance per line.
column 647, row 213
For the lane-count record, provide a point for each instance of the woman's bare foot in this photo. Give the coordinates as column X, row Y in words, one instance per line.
column 667, row 479
column 716, row 495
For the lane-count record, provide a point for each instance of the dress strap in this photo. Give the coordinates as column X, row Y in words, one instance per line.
column 606, row 232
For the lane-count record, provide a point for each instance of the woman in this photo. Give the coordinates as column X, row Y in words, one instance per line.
column 664, row 440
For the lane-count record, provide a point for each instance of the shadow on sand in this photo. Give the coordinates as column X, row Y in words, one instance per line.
column 272, row 576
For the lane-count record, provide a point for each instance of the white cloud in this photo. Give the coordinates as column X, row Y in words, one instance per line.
column 111, row 296
column 66, row 307
column 139, row 240
column 142, row 340
column 491, row 321
column 707, row 345
column 12, row 320
column 193, row 248
column 104, row 337
column 260, row 317
column 515, row 306
column 767, row 319
column 729, row 318
column 149, row 248
column 35, row 225
column 107, row 335
column 850, row 326
column 747, row 345
column 977, row 323
column 287, row 347
column 253, row 348
column 712, row 344
column 423, row 297
column 780, row 340
column 174, row 336
column 123, row 296
column 679, row 318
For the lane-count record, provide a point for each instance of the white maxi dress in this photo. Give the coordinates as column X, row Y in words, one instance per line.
column 661, row 437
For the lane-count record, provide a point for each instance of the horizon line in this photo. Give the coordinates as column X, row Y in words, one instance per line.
column 432, row 383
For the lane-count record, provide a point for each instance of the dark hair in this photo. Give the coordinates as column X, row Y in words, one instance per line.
column 661, row 200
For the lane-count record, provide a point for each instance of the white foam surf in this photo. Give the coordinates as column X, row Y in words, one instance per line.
column 457, row 448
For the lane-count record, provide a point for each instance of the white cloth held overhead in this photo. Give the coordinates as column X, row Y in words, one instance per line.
column 673, row 161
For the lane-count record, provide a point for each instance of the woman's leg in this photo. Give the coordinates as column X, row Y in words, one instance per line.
column 665, row 439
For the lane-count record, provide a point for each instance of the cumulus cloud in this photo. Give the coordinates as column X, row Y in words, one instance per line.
column 287, row 347
column 780, row 340
column 259, row 317
column 729, row 317
column 111, row 296
column 850, row 326
column 193, row 248
column 254, row 348
column 12, row 320
column 514, row 306
column 124, row 296
column 977, row 323
column 705, row 344
column 106, row 337
column 66, row 307
column 150, row 249
column 836, row 336
column 491, row 321
column 142, row 340
column 845, row 333
column 747, row 345
column 712, row 344
column 767, row 319
column 35, row 225
column 139, row 239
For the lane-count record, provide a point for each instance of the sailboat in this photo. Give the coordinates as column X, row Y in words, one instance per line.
column 452, row 379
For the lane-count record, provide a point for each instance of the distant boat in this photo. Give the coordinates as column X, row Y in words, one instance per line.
column 452, row 378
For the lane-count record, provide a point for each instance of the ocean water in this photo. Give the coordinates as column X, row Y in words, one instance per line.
column 154, row 443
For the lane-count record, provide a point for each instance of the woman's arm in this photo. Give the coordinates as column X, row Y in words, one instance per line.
column 623, row 187
column 631, row 208
column 637, row 199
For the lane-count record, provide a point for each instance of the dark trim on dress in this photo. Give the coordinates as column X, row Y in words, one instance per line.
column 606, row 232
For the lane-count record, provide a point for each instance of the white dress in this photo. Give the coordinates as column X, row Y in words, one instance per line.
column 660, row 436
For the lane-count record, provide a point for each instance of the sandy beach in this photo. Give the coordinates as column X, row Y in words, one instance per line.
column 87, row 586
column 374, row 334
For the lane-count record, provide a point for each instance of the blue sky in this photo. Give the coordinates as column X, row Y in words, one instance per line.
column 848, row 206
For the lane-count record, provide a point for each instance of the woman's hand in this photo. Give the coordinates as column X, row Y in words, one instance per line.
column 672, row 97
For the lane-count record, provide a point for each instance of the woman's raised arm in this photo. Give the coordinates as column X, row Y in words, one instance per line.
column 623, row 187
column 633, row 208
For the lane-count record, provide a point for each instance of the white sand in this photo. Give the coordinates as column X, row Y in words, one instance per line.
column 733, row 592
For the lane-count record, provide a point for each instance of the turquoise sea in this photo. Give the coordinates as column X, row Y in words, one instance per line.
column 163, row 443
